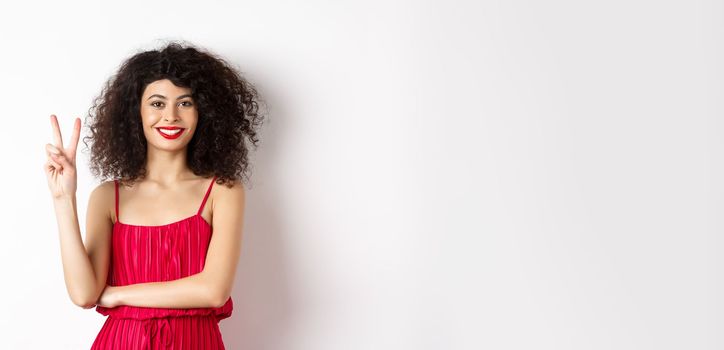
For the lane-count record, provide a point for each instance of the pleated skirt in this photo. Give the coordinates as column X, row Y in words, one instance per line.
column 167, row 333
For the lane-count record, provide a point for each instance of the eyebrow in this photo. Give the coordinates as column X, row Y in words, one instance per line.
column 164, row 97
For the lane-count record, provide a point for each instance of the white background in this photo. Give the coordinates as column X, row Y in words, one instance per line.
column 433, row 175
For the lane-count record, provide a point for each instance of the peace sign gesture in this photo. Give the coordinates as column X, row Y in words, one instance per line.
column 60, row 167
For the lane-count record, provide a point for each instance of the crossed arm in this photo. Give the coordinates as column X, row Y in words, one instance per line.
column 208, row 288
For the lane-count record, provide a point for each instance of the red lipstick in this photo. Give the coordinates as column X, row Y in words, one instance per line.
column 170, row 129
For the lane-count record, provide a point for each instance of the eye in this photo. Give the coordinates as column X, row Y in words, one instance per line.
column 155, row 102
column 188, row 103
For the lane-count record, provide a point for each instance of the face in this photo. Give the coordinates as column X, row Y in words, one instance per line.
column 169, row 115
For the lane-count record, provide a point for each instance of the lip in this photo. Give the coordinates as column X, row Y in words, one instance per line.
column 170, row 137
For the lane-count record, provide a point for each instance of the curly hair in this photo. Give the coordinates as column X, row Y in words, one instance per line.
column 228, row 115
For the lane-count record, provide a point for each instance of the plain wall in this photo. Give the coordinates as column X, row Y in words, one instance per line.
column 432, row 174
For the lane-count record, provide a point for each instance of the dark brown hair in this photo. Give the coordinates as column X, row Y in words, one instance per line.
column 228, row 109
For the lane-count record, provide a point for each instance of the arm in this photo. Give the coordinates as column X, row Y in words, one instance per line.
column 212, row 286
column 77, row 269
column 85, row 267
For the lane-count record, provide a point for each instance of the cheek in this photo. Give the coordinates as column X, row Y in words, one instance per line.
column 193, row 120
column 148, row 116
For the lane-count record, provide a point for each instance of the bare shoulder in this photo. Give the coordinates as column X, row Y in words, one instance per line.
column 229, row 193
column 102, row 199
column 228, row 197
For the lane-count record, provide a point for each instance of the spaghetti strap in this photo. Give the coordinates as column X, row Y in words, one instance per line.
column 201, row 208
column 116, row 184
column 160, row 253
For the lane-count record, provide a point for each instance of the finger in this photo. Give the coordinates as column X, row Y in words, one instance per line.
column 52, row 149
column 63, row 161
column 57, row 138
column 53, row 165
column 56, row 165
column 74, row 138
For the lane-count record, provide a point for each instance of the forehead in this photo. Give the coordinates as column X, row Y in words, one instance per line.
column 165, row 87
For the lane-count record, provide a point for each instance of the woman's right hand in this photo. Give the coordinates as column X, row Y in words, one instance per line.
column 60, row 167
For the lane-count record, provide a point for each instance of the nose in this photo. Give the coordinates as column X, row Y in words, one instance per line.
column 170, row 117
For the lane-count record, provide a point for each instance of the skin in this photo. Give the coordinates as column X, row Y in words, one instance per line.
column 170, row 192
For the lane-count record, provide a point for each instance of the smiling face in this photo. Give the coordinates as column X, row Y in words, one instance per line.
column 168, row 114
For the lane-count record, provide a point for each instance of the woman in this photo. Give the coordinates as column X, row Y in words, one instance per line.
column 168, row 126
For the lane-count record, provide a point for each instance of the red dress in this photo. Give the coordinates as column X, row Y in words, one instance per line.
column 152, row 254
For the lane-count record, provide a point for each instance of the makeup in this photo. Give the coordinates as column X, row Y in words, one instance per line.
column 170, row 132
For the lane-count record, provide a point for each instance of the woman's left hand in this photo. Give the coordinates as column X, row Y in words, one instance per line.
column 109, row 297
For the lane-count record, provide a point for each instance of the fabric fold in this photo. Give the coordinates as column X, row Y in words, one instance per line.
column 161, row 253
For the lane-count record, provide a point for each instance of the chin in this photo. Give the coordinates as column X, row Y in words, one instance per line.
column 168, row 148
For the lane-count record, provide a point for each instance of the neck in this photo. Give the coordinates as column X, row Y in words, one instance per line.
column 167, row 167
